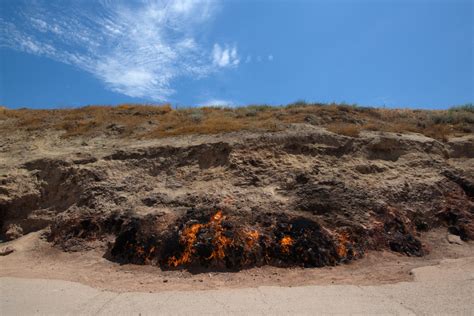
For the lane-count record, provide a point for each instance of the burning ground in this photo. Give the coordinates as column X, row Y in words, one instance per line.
column 301, row 197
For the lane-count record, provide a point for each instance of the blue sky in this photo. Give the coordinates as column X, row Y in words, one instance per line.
column 394, row 53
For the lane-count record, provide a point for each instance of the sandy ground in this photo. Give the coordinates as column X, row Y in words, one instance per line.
column 442, row 289
column 35, row 258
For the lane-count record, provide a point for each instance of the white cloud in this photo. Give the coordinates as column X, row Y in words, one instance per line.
column 225, row 56
column 217, row 102
column 182, row 6
column 270, row 57
column 248, row 59
column 137, row 50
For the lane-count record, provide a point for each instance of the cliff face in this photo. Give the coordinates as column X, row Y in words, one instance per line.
column 299, row 197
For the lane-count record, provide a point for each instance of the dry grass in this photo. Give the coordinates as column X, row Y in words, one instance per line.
column 146, row 121
column 350, row 130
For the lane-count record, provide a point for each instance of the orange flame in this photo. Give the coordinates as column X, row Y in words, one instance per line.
column 341, row 248
column 220, row 241
column 189, row 237
column 141, row 252
column 217, row 217
column 286, row 243
column 251, row 238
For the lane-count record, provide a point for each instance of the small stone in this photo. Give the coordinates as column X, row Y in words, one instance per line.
column 453, row 239
column 165, row 281
column 6, row 251
column 13, row 231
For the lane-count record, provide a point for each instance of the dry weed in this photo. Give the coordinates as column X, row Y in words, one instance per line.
column 151, row 121
column 350, row 130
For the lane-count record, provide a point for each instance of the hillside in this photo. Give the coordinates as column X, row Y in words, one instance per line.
column 216, row 189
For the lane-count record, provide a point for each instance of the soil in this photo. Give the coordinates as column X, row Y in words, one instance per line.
column 299, row 206
column 35, row 258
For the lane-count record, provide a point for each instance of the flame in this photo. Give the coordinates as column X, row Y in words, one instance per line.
column 220, row 241
column 286, row 243
column 251, row 238
column 343, row 239
column 142, row 253
column 189, row 237
column 217, row 217
column 343, row 242
column 209, row 243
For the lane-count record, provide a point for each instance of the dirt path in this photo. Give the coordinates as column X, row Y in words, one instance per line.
column 443, row 289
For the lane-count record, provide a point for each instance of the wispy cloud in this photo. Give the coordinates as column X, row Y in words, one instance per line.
column 137, row 50
column 217, row 102
column 225, row 56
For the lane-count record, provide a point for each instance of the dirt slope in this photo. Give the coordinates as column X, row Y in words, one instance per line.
column 302, row 196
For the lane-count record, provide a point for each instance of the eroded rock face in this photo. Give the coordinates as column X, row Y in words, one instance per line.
column 297, row 198
column 461, row 147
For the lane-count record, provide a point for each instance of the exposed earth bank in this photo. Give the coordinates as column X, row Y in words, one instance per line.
column 303, row 197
